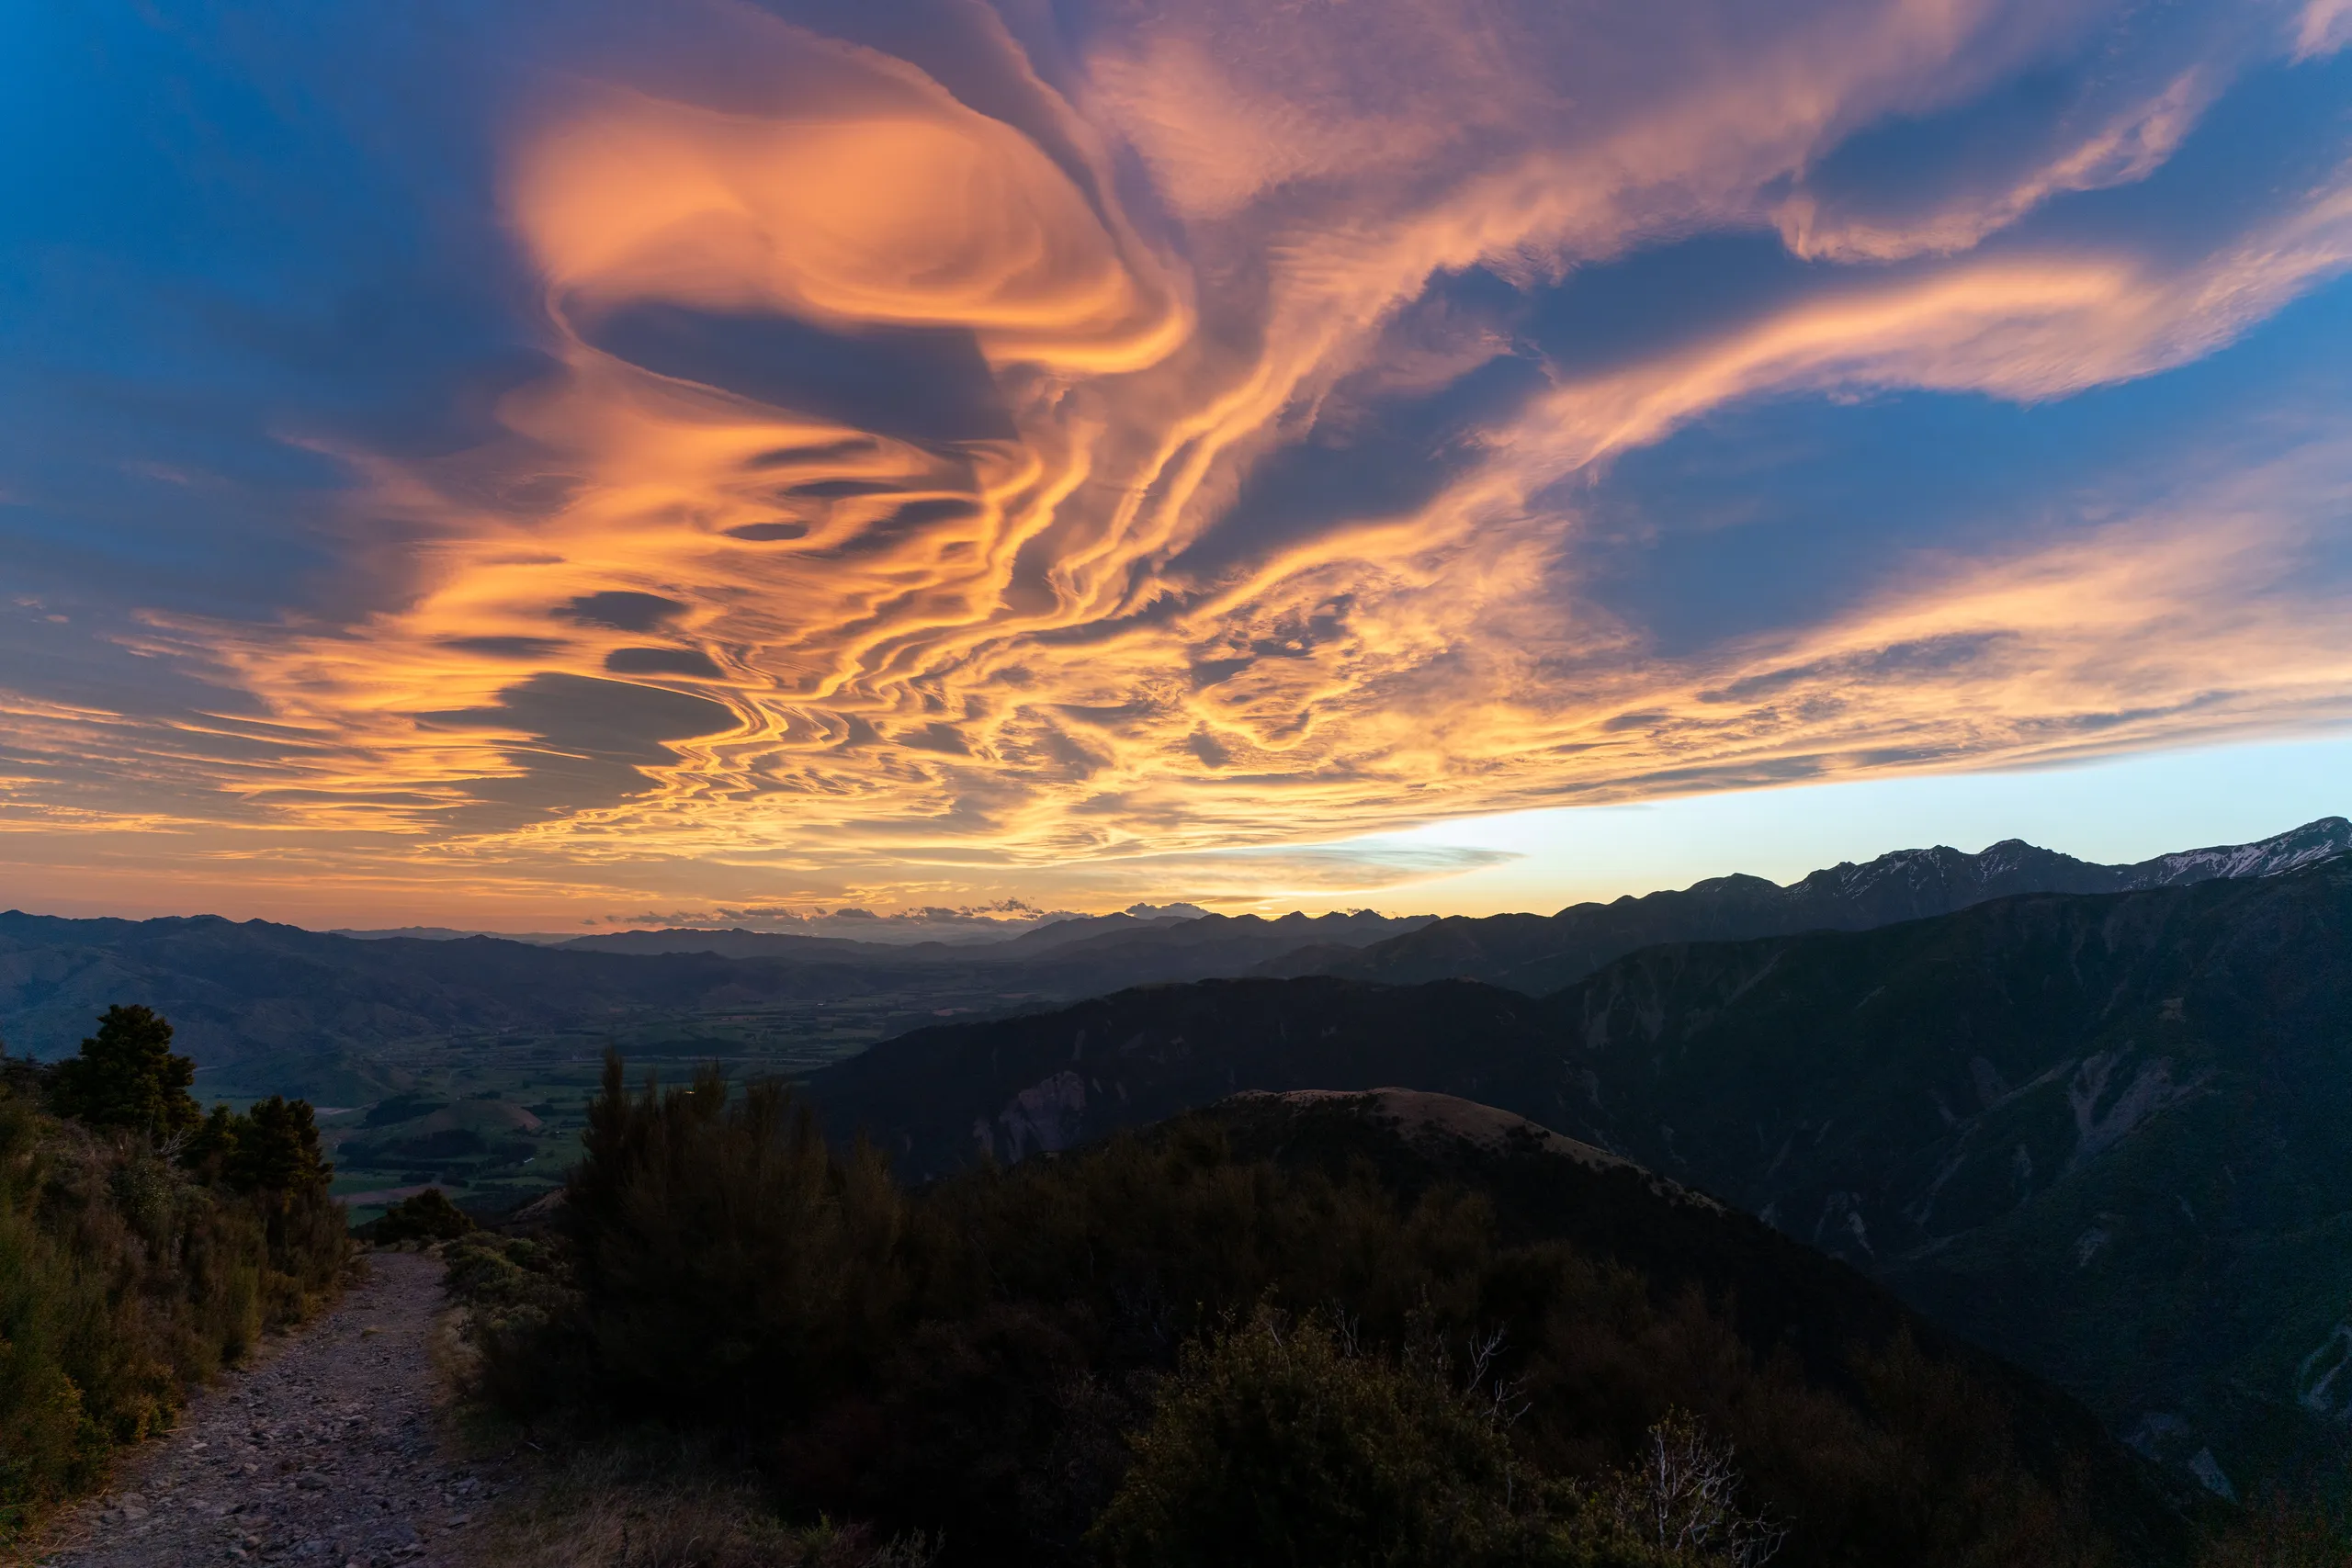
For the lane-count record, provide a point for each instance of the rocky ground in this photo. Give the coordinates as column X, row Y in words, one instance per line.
column 327, row 1450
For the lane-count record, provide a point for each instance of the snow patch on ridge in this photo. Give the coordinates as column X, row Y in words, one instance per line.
column 2306, row 845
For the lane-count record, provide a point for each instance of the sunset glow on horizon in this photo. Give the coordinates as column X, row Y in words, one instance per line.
column 474, row 471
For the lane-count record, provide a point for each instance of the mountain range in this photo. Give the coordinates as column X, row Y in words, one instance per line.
column 277, row 1007
column 1237, row 940
column 1537, row 953
column 2100, row 1133
column 301, row 1011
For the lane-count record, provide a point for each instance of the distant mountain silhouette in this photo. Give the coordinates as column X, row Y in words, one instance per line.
column 1237, row 940
column 1536, row 954
column 274, row 1006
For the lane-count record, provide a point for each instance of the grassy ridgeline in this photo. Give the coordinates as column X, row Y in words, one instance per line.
column 1477, row 1351
column 143, row 1247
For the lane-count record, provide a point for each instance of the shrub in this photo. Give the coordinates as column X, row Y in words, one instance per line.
column 2282, row 1531
column 1680, row 1500
column 504, row 1279
column 126, row 1275
column 1278, row 1443
column 422, row 1216
column 522, row 1320
column 1271, row 1444
column 275, row 1148
column 971, row 1360
column 127, row 1077
column 741, row 1270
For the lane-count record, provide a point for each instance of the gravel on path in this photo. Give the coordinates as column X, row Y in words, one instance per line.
column 327, row 1451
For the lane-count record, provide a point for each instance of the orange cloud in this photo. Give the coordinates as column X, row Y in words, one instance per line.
column 914, row 213
column 716, row 598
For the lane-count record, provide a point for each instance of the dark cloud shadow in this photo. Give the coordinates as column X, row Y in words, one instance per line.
column 1372, row 455
column 917, row 384
column 591, row 742
column 516, row 648
column 910, row 518
column 622, row 611
column 938, row 737
column 661, row 661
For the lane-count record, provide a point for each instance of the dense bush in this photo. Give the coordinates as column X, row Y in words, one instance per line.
column 2310, row 1528
column 740, row 1270
column 421, row 1216
column 136, row 1257
column 1270, row 1443
column 1041, row 1363
column 1279, row 1442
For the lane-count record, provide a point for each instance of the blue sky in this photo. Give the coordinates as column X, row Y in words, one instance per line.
column 2116, row 810
column 461, row 468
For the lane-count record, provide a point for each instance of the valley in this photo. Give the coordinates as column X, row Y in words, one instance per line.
column 495, row 1119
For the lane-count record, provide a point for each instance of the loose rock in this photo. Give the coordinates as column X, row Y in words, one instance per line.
column 327, row 1453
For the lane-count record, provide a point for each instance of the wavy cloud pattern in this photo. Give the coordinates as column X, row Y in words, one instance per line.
column 964, row 449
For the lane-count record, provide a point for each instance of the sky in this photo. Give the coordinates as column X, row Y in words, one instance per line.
column 531, row 467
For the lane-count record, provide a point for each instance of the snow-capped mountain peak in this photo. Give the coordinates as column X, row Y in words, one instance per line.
column 2313, row 842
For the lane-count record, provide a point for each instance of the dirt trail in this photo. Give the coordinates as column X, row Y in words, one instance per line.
column 325, row 1452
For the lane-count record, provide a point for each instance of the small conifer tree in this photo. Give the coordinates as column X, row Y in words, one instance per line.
column 276, row 1150
column 127, row 1075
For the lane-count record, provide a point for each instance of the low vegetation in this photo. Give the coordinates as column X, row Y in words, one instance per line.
column 143, row 1245
column 1280, row 1441
column 1191, row 1346
column 421, row 1216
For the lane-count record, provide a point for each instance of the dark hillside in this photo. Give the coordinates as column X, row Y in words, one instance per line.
column 2101, row 1134
column 1785, row 1298
column 938, row 1099
column 1000, row 1359
column 288, row 1005
column 277, row 1007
